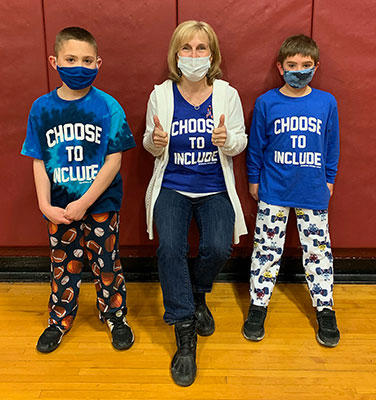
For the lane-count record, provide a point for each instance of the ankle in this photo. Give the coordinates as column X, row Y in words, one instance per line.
column 199, row 298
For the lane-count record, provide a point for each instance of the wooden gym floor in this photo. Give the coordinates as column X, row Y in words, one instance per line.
column 287, row 364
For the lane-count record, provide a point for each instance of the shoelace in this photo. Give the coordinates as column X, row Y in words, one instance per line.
column 327, row 322
column 257, row 316
column 51, row 330
column 186, row 335
column 116, row 323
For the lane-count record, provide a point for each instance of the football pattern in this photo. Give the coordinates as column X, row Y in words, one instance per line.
column 95, row 238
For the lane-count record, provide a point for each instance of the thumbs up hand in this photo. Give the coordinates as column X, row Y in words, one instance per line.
column 219, row 135
column 160, row 138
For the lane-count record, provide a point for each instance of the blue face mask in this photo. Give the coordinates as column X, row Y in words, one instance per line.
column 77, row 78
column 299, row 79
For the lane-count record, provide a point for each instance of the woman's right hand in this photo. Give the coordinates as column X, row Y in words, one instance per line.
column 160, row 138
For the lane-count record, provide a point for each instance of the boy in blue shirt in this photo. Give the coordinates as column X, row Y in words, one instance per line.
column 292, row 161
column 76, row 135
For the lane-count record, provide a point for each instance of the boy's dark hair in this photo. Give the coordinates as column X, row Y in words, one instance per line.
column 76, row 33
column 299, row 44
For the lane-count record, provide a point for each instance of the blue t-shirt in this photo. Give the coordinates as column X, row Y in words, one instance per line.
column 293, row 148
column 73, row 139
column 193, row 164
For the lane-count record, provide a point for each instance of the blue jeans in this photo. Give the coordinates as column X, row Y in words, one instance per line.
column 215, row 219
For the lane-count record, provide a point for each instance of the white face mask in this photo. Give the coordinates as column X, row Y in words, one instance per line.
column 194, row 68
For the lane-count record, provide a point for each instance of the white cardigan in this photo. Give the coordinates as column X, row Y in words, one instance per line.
column 225, row 101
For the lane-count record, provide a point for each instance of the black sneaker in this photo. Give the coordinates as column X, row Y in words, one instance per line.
column 50, row 339
column 122, row 335
column 253, row 328
column 204, row 318
column 183, row 365
column 328, row 333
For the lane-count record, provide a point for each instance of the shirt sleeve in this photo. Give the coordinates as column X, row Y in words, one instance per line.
column 31, row 146
column 121, row 138
column 236, row 140
column 332, row 153
column 257, row 143
column 148, row 142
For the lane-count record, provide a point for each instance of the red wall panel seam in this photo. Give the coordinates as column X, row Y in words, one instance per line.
column 177, row 12
column 45, row 45
column 312, row 16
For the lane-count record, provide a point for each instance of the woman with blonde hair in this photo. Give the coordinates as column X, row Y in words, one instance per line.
column 194, row 126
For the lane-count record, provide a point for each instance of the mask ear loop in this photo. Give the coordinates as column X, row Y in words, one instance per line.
column 210, row 59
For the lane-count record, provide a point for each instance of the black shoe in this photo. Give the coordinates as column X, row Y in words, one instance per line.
column 253, row 328
column 122, row 335
column 50, row 339
column 183, row 365
column 204, row 318
column 328, row 333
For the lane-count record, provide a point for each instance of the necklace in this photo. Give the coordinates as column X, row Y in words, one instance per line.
column 188, row 97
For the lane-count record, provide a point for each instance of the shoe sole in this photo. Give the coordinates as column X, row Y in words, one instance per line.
column 253, row 338
column 207, row 333
column 183, row 383
column 325, row 343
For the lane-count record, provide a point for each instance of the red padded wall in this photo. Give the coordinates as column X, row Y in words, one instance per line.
column 133, row 38
column 346, row 36
column 133, row 44
column 23, row 79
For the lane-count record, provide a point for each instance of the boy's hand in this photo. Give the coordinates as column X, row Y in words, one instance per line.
column 330, row 187
column 75, row 210
column 253, row 190
column 160, row 138
column 219, row 135
column 56, row 215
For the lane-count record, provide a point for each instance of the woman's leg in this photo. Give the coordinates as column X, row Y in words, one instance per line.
column 215, row 219
column 172, row 217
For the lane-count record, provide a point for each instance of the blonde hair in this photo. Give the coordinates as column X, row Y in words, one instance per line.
column 182, row 34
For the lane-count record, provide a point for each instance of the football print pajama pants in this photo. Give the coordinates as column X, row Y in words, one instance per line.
column 97, row 238
column 269, row 239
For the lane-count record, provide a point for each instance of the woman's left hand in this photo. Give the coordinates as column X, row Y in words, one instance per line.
column 219, row 135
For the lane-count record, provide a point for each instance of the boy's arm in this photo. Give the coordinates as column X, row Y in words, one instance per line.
column 330, row 187
column 253, row 190
column 332, row 154
column 77, row 209
column 255, row 151
column 43, row 189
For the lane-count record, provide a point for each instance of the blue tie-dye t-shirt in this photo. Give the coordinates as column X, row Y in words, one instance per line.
column 73, row 139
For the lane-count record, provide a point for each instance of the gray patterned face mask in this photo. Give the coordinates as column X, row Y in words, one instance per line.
column 299, row 79
column 194, row 68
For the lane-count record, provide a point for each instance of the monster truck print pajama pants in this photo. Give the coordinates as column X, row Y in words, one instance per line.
column 269, row 239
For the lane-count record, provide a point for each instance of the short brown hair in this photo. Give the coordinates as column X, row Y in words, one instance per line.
column 75, row 33
column 183, row 33
column 299, row 44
